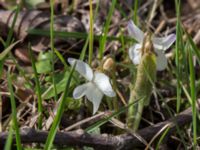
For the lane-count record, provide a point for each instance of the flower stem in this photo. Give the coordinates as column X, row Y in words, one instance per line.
column 145, row 78
column 115, row 102
column 109, row 68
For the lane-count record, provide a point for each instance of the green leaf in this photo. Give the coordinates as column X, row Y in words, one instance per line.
column 73, row 104
column 33, row 3
column 60, row 80
column 43, row 65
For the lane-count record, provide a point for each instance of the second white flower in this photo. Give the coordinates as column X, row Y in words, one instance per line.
column 160, row 45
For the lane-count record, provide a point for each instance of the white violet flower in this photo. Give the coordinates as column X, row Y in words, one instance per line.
column 160, row 45
column 98, row 84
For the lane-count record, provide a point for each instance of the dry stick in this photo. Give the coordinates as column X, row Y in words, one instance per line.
column 120, row 142
column 148, row 133
column 197, row 37
column 160, row 27
column 93, row 118
column 153, row 11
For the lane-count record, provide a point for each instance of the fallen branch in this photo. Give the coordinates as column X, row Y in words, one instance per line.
column 119, row 142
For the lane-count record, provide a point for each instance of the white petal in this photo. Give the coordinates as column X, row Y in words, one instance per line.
column 161, row 60
column 165, row 42
column 83, row 68
column 80, row 91
column 135, row 32
column 135, row 53
column 94, row 95
column 103, row 83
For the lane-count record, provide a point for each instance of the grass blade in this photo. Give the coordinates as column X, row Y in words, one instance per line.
column 7, row 50
column 105, row 32
column 4, row 54
column 9, row 140
column 59, row 113
column 178, row 48
column 194, row 47
column 11, row 30
column 59, row 55
column 162, row 137
column 52, row 47
column 91, row 34
column 38, row 88
column 193, row 97
column 135, row 19
column 77, row 35
column 14, row 113
column 103, row 121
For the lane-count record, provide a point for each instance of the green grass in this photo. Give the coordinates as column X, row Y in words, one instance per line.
column 193, row 51
column 59, row 113
column 179, row 49
column 162, row 138
column 194, row 47
column 52, row 48
column 77, row 35
column 4, row 54
column 61, row 58
column 11, row 31
column 8, row 47
column 106, row 28
column 38, row 88
column 14, row 113
column 184, row 51
column 193, row 98
column 9, row 139
column 135, row 16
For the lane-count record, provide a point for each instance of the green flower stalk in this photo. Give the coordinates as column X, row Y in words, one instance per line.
column 146, row 76
column 149, row 55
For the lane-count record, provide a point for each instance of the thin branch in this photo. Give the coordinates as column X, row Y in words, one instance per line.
column 120, row 142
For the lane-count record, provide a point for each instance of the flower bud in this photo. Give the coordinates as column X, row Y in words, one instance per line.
column 147, row 44
column 108, row 64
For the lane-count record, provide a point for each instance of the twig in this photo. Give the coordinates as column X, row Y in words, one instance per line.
column 120, row 142
column 153, row 11
column 93, row 118
column 160, row 26
column 197, row 37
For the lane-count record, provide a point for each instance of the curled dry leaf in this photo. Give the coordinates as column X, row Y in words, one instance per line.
column 36, row 19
